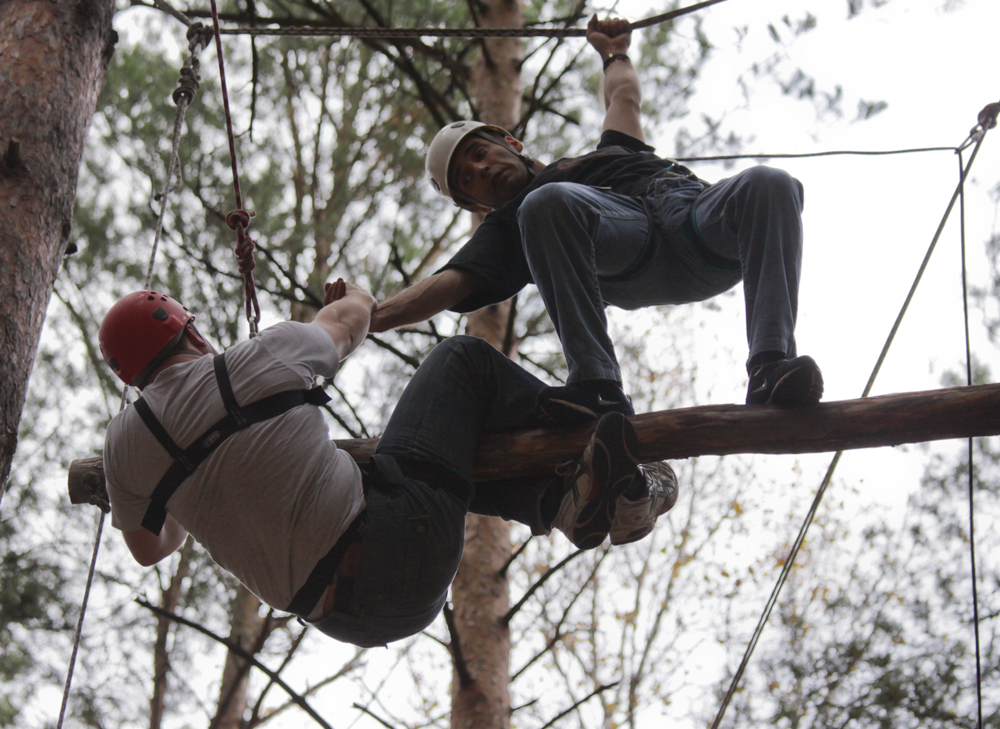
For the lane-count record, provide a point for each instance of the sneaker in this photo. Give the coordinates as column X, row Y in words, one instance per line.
column 582, row 401
column 788, row 382
column 635, row 519
column 594, row 482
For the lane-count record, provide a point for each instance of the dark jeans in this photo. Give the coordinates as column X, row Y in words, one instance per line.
column 581, row 243
column 416, row 531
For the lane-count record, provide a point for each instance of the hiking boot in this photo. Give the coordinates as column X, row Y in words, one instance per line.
column 582, row 401
column 787, row 382
column 594, row 482
column 635, row 519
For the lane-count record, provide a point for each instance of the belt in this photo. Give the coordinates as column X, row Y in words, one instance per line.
column 344, row 557
column 336, row 572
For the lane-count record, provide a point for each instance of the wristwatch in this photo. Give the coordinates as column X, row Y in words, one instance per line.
column 612, row 57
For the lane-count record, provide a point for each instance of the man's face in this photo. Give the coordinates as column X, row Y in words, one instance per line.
column 488, row 172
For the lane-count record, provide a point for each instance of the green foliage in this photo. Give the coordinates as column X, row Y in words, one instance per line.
column 331, row 159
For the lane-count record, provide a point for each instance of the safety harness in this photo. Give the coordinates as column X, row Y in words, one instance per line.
column 239, row 417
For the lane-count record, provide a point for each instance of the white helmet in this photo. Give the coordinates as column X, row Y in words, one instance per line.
column 443, row 147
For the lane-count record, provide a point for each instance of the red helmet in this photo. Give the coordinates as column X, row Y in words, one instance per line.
column 137, row 330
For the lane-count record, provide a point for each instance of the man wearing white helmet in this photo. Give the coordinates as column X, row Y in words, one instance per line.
column 619, row 226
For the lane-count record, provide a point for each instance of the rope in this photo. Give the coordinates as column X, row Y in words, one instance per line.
column 198, row 39
column 971, row 459
column 828, row 153
column 976, row 135
column 239, row 219
column 356, row 32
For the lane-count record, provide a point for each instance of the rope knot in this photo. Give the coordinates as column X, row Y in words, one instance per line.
column 199, row 36
column 244, row 252
column 188, row 83
column 240, row 217
column 988, row 116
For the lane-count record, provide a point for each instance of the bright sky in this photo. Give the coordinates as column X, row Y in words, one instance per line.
column 868, row 220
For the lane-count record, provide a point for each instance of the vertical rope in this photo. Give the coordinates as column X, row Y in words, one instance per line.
column 971, row 456
column 79, row 622
column 977, row 135
column 198, row 39
column 239, row 219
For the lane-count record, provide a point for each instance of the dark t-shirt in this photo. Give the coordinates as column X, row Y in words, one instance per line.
column 620, row 163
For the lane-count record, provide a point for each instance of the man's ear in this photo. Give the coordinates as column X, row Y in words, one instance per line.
column 515, row 143
column 197, row 341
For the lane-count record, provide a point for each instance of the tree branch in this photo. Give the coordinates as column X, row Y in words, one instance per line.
column 303, row 704
column 592, row 694
column 531, row 590
column 461, row 667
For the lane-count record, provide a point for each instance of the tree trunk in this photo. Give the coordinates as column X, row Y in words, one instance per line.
column 161, row 654
column 245, row 628
column 53, row 59
column 480, row 593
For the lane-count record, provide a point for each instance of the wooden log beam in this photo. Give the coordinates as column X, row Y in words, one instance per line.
column 888, row 420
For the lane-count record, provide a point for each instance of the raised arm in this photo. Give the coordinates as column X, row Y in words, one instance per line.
column 346, row 315
column 425, row 299
column 622, row 95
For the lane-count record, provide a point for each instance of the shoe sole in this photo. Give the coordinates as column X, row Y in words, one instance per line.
column 613, row 466
column 566, row 412
column 800, row 386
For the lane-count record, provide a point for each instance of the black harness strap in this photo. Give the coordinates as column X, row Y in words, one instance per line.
column 187, row 460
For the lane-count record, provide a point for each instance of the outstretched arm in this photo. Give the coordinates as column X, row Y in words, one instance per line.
column 622, row 94
column 425, row 299
column 346, row 315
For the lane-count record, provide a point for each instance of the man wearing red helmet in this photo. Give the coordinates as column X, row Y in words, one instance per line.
column 233, row 449
column 619, row 226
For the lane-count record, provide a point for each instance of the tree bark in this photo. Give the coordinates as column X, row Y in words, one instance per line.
column 480, row 593
column 161, row 654
column 245, row 627
column 53, row 60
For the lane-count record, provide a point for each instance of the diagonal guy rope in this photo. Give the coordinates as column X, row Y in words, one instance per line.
column 987, row 120
column 368, row 32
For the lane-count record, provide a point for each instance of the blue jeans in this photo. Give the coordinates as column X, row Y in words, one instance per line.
column 416, row 531
column 587, row 247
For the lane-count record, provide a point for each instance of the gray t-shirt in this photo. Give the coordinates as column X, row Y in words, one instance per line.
column 272, row 499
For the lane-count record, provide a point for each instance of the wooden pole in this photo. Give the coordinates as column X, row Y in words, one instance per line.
column 888, row 420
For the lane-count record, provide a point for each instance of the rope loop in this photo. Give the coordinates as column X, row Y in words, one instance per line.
column 239, row 220
column 199, row 36
column 244, row 252
column 240, row 217
column 988, row 116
